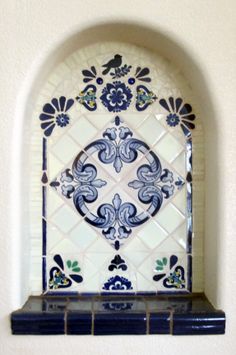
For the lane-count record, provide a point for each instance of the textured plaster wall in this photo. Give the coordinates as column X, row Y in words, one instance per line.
column 206, row 29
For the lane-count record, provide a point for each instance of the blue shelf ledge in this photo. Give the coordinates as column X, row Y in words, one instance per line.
column 112, row 315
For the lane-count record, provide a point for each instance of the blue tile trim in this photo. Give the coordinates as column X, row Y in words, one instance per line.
column 159, row 323
column 44, row 230
column 177, row 315
column 44, row 163
column 79, row 323
column 42, row 323
column 44, row 274
column 44, row 191
column 120, row 323
column 189, row 272
column 189, row 194
column 62, row 294
column 199, row 323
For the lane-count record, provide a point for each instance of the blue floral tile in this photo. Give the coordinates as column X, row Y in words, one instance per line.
column 113, row 172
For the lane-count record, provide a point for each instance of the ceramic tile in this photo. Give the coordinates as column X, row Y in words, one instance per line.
column 151, row 130
column 152, row 234
column 83, row 236
column 168, row 147
column 106, row 315
column 65, row 219
column 115, row 133
column 65, row 149
column 64, row 270
column 82, row 131
column 170, row 218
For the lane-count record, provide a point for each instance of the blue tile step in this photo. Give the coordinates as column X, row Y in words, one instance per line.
column 118, row 315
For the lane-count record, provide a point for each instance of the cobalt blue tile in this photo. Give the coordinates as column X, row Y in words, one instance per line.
column 41, row 323
column 45, row 304
column 82, row 304
column 159, row 323
column 120, row 323
column 79, row 323
column 120, row 304
column 118, row 315
column 199, row 323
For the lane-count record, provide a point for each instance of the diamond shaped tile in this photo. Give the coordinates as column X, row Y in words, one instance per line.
column 168, row 147
column 169, row 218
column 169, row 245
column 65, row 218
column 151, row 130
column 65, row 149
column 99, row 120
column 117, row 158
column 82, row 131
column 83, row 235
column 152, row 234
column 64, row 246
column 131, row 118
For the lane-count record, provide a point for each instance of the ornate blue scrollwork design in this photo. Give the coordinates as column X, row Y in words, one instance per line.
column 153, row 183
column 116, row 220
column 117, row 147
column 81, row 183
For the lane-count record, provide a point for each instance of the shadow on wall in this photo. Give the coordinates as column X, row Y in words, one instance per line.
column 153, row 40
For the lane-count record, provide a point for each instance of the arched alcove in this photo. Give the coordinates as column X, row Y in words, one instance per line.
column 159, row 105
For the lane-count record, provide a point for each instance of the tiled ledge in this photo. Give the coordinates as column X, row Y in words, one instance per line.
column 110, row 315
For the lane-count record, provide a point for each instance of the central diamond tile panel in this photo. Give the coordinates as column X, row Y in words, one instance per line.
column 117, row 184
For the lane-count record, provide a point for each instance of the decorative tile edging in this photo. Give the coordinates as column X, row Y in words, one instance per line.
column 175, row 315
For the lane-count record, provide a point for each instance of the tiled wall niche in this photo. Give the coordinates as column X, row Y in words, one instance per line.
column 118, row 124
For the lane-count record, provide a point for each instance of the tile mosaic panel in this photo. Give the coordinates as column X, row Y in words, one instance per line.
column 116, row 147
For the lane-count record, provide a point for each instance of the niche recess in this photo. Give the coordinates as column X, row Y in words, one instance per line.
column 116, row 193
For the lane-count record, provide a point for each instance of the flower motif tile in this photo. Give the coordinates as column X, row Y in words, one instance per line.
column 116, row 178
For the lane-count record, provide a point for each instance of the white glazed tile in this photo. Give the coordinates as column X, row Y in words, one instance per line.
column 100, row 120
column 53, row 201
column 168, row 147
column 152, row 234
column 65, row 218
column 54, row 166
column 83, row 235
column 65, row 149
column 136, row 257
column 54, row 236
column 82, row 131
column 169, row 218
column 180, row 235
column 179, row 164
column 180, row 200
column 151, row 130
column 169, row 245
column 64, row 246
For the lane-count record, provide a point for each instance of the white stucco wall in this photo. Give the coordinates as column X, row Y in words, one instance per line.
column 206, row 30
